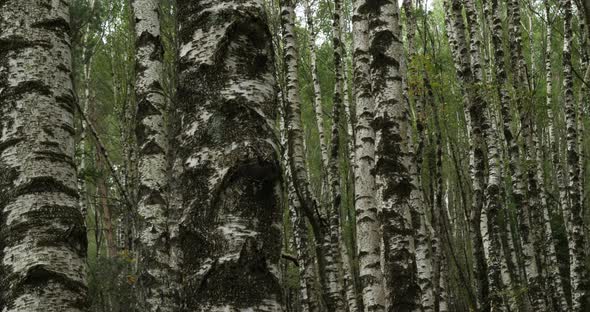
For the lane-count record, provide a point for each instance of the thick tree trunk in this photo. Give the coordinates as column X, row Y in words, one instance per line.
column 394, row 157
column 230, row 174
column 575, row 229
column 44, row 238
column 367, row 222
column 157, row 277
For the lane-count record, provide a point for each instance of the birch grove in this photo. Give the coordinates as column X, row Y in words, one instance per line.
column 294, row 156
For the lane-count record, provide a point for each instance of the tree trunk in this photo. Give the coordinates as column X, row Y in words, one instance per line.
column 575, row 231
column 367, row 221
column 230, row 173
column 44, row 238
column 339, row 248
column 157, row 277
column 394, row 157
column 317, row 94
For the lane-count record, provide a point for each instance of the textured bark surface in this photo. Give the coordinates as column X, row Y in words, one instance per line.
column 304, row 258
column 339, row 249
column 575, row 229
column 367, row 221
column 157, row 276
column 519, row 184
column 230, row 176
column 393, row 156
column 43, row 238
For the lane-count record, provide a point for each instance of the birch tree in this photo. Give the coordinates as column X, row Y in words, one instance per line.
column 230, row 236
column 393, row 156
column 368, row 223
column 158, row 289
column 44, row 238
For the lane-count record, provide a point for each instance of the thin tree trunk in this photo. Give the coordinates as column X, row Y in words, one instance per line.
column 107, row 220
column 474, row 111
column 157, row 277
column 230, row 173
column 426, row 261
column 44, row 238
column 86, row 71
column 305, row 261
column 328, row 267
column 317, row 94
column 339, row 245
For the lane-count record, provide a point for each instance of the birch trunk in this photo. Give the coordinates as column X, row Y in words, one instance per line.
column 334, row 160
column 439, row 259
column 519, row 186
column 44, row 238
column 576, row 240
column 86, row 70
column 530, row 233
column 367, row 221
column 340, row 248
column 393, row 157
column 157, row 277
column 230, row 174
column 425, row 235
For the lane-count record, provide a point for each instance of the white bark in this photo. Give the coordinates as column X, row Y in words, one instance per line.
column 367, row 221
column 228, row 158
column 395, row 157
column 44, row 238
column 157, row 280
